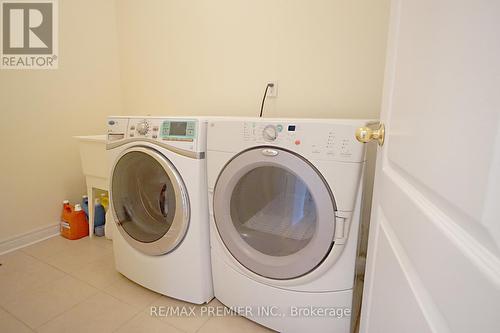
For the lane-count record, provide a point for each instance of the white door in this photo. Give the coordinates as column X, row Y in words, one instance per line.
column 434, row 259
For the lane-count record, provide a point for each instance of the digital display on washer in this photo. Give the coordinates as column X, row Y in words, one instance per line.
column 178, row 128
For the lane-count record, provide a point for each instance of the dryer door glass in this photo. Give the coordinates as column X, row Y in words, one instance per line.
column 274, row 212
column 148, row 202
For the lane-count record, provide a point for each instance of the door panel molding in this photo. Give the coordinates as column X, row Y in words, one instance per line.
column 428, row 318
column 485, row 260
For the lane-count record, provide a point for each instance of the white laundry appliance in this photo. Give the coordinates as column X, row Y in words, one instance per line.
column 158, row 199
column 284, row 199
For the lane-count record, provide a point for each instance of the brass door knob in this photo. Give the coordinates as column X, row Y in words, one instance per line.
column 367, row 134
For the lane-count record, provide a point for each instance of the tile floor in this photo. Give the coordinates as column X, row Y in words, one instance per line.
column 71, row 286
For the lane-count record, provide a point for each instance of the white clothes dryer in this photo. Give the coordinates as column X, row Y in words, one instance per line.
column 284, row 199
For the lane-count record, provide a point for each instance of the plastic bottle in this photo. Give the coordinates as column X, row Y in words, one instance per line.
column 105, row 200
column 66, row 210
column 76, row 227
column 85, row 205
column 99, row 213
column 65, row 216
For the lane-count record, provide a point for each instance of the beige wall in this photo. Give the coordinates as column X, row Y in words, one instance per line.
column 177, row 57
column 215, row 56
column 41, row 110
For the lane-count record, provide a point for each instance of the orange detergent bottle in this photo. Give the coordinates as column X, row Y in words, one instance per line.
column 76, row 225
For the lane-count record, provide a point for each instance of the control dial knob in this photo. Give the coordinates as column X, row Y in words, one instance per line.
column 270, row 133
column 142, row 128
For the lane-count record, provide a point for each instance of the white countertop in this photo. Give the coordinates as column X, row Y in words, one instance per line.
column 92, row 138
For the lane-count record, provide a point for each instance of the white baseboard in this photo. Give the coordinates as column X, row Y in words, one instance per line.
column 32, row 237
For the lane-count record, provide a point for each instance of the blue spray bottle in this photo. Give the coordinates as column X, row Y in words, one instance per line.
column 99, row 214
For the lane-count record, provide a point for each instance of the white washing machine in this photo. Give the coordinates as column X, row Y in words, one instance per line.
column 158, row 199
column 284, row 198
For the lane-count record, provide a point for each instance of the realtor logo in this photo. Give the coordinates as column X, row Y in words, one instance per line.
column 29, row 34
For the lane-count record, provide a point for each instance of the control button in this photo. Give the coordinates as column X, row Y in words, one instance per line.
column 297, row 142
column 143, row 128
column 269, row 133
column 155, row 128
column 131, row 134
column 132, row 128
column 280, row 128
column 155, row 136
column 111, row 122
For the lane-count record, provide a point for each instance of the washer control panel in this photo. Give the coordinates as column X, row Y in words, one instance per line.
column 182, row 133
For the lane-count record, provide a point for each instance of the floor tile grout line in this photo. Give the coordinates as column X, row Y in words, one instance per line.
column 203, row 325
column 93, row 242
column 180, row 329
column 71, row 275
column 140, row 311
column 18, row 319
column 84, row 300
column 46, row 263
column 34, row 287
column 65, row 274
column 127, row 321
column 163, row 321
column 136, row 310
column 210, row 318
column 121, row 301
column 23, row 250
column 85, row 281
column 59, row 269
column 67, row 309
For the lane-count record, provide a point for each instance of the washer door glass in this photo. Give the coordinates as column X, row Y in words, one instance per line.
column 149, row 201
column 274, row 212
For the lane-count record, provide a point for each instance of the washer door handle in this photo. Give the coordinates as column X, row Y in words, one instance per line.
column 162, row 200
column 269, row 152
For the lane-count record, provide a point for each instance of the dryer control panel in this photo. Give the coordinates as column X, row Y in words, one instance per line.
column 326, row 139
column 179, row 132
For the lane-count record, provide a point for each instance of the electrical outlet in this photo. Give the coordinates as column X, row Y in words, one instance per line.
column 272, row 91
